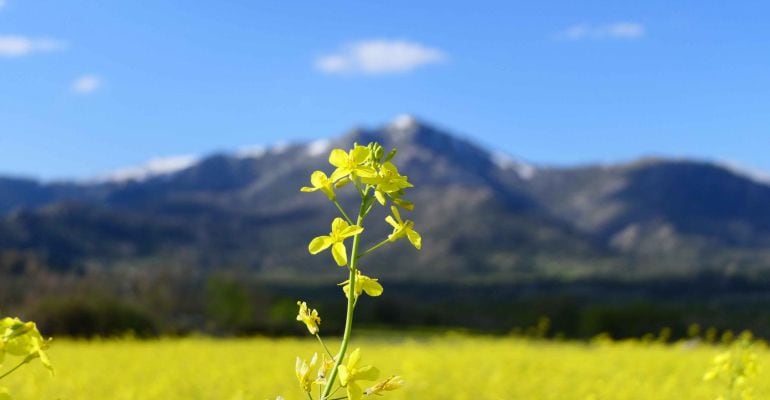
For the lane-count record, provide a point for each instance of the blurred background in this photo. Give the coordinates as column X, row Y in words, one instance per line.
column 578, row 168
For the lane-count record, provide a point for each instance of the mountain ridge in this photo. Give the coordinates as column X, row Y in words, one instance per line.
column 482, row 213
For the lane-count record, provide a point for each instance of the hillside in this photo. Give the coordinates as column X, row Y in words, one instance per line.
column 483, row 215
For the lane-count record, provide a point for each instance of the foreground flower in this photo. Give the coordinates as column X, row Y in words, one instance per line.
column 304, row 372
column 340, row 231
column 23, row 339
column 351, row 373
column 363, row 284
column 392, row 383
column 403, row 228
column 310, row 318
column 320, row 181
column 351, row 163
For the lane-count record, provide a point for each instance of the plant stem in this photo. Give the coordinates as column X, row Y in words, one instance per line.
column 10, row 371
column 344, row 214
column 351, row 304
column 373, row 248
column 324, row 345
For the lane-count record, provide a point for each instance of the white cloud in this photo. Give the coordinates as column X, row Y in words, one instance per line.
column 17, row 46
column 86, row 84
column 615, row 30
column 379, row 56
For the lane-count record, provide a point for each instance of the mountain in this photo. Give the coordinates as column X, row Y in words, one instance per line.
column 482, row 214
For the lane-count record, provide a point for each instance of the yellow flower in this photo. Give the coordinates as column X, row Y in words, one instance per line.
column 403, row 228
column 340, row 231
column 388, row 181
column 351, row 163
column 350, row 373
column 310, row 318
column 323, row 370
column 23, row 339
column 392, row 383
column 363, row 284
column 320, row 181
column 304, row 372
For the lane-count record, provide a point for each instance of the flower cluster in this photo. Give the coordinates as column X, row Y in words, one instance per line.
column 377, row 180
column 734, row 368
column 21, row 339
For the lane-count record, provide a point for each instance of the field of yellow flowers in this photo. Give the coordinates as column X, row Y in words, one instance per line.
column 445, row 367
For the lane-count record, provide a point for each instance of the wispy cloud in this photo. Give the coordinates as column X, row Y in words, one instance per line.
column 17, row 46
column 615, row 30
column 2, row 4
column 378, row 57
column 86, row 84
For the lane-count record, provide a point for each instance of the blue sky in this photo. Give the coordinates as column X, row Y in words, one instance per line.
column 87, row 86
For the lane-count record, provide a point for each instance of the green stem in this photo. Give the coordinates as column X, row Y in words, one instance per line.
column 344, row 214
column 351, row 305
column 10, row 371
column 373, row 248
column 324, row 345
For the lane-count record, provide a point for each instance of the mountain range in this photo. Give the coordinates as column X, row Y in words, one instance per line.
column 482, row 214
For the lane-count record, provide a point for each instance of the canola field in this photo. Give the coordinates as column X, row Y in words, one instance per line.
column 447, row 367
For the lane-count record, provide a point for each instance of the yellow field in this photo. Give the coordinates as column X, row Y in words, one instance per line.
column 439, row 368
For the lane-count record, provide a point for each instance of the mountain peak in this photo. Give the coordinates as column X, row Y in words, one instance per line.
column 404, row 122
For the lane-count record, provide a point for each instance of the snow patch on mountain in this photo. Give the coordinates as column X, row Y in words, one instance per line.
column 506, row 162
column 154, row 167
column 755, row 174
column 318, row 147
column 253, row 151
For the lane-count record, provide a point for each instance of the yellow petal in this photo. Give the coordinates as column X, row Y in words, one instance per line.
column 308, row 189
column 350, row 231
column 340, row 254
column 338, row 225
column 396, row 214
column 380, row 197
column 371, row 287
column 354, row 391
column 354, row 358
column 344, row 375
column 415, row 238
column 318, row 179
column 319, row 244
column 359, row 154
column 367, row 373
column 339, row 173
column 389, row 219
column 338, row 158
column 365, row 172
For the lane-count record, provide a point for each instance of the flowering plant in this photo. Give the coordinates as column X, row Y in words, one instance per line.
column 20, row 339
column 371, row 173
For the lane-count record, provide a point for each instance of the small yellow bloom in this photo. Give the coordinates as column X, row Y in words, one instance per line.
column 363, row 284
column 350, row 373
column 403, row 228
column 323, row 370
column 310, row 318
column 340, row 231
column 320, row 181
column 351, row 163
column 388, row 181
column 304, row 372
column 20, row 338
column 392, row 383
